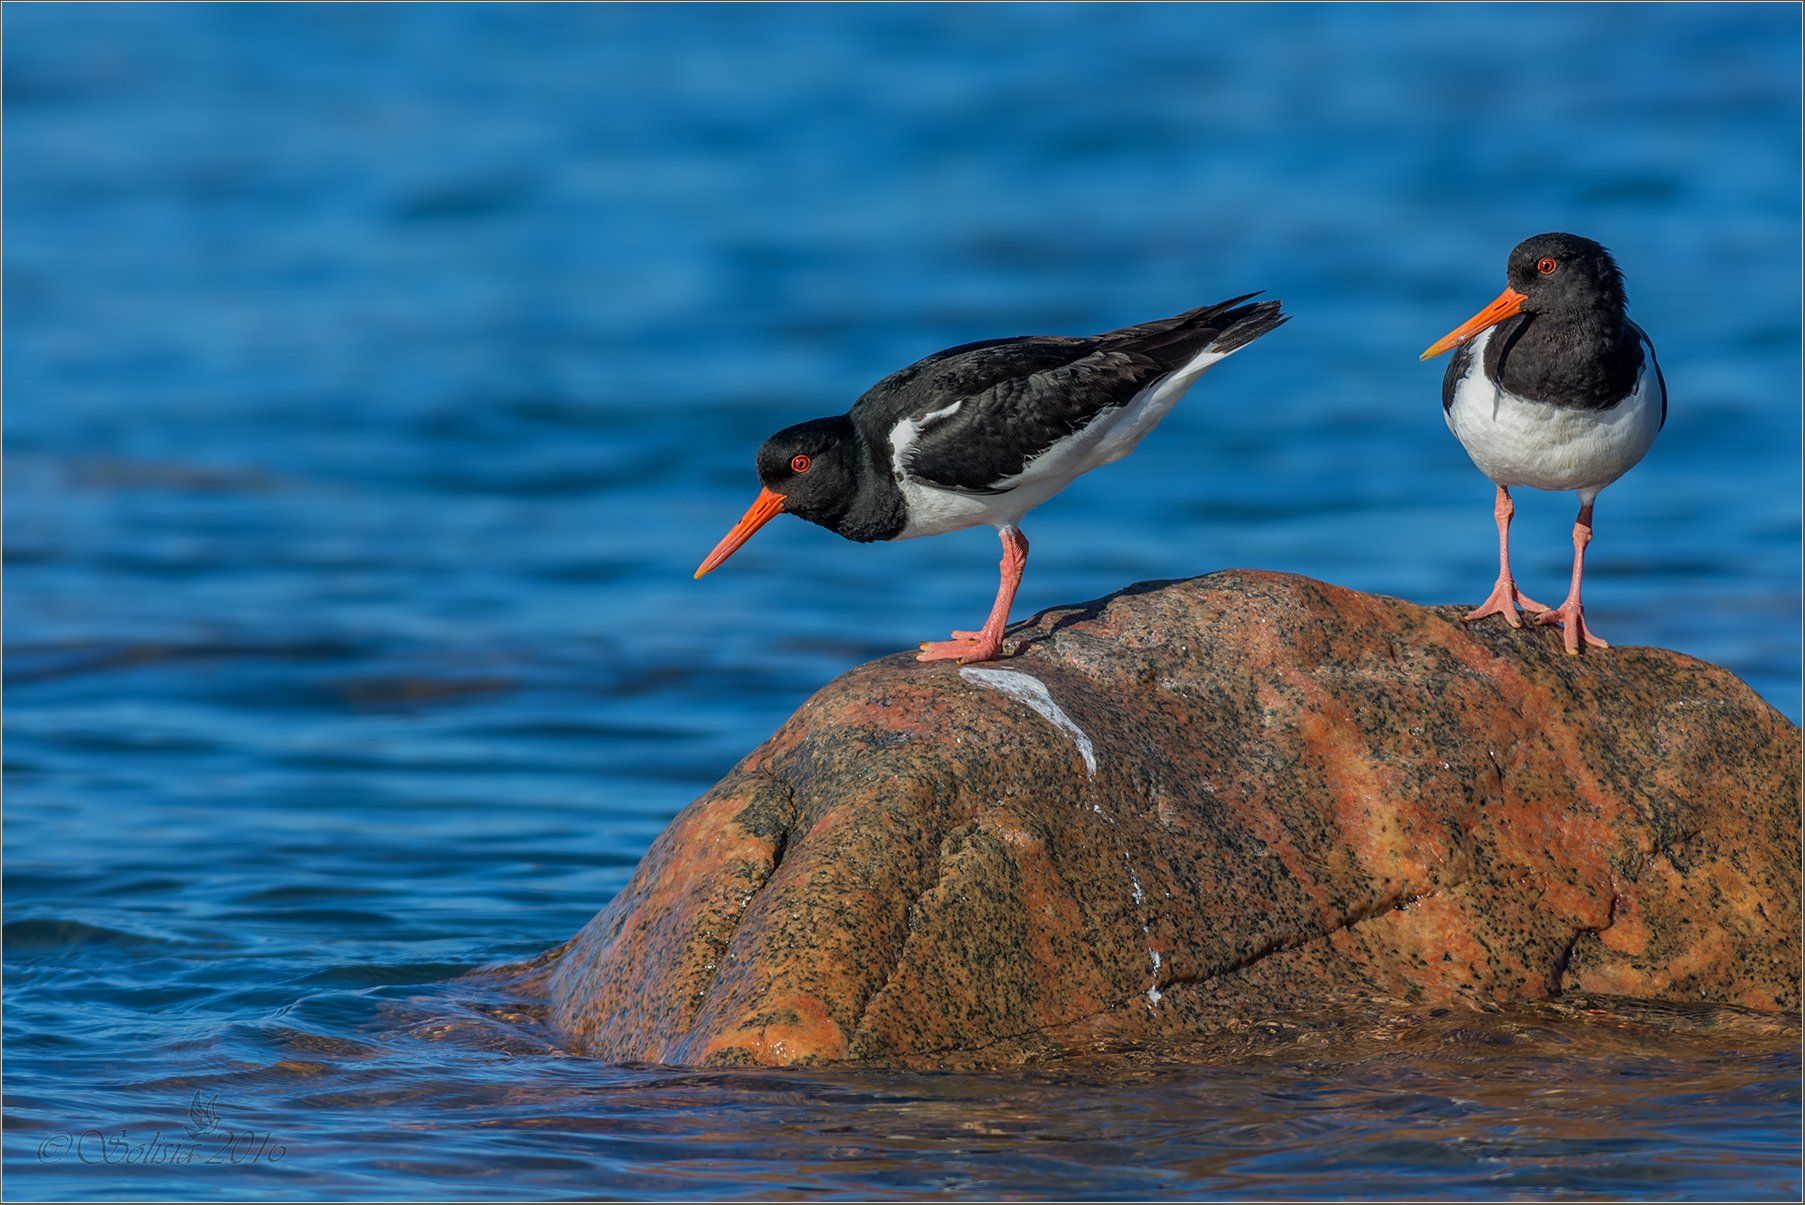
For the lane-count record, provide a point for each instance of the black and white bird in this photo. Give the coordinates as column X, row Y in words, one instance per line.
column 1552, row 386
column 984, row 433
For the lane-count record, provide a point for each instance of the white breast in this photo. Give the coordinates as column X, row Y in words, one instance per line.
column 1517, row 441
column 1109, row 437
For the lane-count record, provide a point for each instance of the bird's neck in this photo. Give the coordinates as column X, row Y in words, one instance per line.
column 1585, row 359
column 868, row 505
column 878, row 511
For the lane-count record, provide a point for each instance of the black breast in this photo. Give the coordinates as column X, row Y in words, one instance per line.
column 1580, row 365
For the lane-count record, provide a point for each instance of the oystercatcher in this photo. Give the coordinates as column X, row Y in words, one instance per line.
column 985, row 432
column 1552, row 387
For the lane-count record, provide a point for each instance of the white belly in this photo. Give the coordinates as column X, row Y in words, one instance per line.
column 933, row 511
column 1516, row 441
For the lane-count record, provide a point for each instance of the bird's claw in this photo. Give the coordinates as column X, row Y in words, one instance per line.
column 1571, row 619
column 1504, row 600
column 964, row 648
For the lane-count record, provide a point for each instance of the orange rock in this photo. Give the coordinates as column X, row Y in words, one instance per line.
column 1198, row 803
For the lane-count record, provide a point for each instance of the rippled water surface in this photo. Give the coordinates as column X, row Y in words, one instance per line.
column 377, row 376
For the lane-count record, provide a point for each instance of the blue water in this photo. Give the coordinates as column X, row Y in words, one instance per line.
column 378, row 375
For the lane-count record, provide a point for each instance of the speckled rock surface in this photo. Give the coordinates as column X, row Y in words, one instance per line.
column 1193, row 804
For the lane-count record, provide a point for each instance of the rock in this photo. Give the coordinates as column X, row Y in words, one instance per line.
column 1197, row 804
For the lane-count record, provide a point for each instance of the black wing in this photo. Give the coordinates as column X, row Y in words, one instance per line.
column 1457, row 371
column 983, row 412
column 1648, row 349
column 994, row 434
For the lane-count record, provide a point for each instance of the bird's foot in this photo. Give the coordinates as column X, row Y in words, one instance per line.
column 964, row 647
column 1571, row 619
column 1504, row 600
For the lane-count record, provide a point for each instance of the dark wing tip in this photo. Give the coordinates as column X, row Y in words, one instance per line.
column 1248, row 322
column 1223, row 326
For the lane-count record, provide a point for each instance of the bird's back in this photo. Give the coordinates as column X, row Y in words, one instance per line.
column 1093, row 373
column 993, row 418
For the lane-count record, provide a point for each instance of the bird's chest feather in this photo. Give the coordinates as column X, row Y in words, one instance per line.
column 1521, row 441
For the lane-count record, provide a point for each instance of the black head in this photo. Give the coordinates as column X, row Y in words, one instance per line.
column 808, row 470
column 811, row 467
column 1561, row 276
column 1564, row 273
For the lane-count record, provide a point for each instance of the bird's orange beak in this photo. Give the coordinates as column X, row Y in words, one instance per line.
column 1508, row 303
column 768, row 506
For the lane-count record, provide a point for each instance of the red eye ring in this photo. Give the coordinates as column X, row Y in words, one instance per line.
column 800, row 464
column 1546, row 266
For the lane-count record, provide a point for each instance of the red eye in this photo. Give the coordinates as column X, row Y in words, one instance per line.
column 1546, row 266
column 800, row 464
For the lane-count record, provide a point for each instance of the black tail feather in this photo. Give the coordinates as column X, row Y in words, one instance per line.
column 1223, row 327
column 1248, row 323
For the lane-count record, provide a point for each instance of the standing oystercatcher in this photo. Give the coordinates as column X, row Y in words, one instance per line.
column 1553, row 387
column 986, row 432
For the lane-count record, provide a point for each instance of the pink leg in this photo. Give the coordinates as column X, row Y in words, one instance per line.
column 1570, row 615
column 1505, row 598
column 985, row 644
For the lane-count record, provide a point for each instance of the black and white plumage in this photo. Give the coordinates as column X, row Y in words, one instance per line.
column 1553, row 386
column 985, row 432
column 1582, row 444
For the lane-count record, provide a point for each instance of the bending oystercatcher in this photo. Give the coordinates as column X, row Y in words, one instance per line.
column 985, row 432
column 1553, row 387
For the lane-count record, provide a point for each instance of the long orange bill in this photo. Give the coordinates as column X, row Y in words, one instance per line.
column 1508, row 303
column 768, row 506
